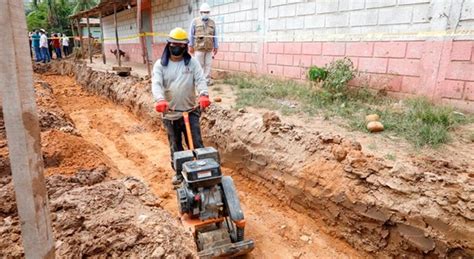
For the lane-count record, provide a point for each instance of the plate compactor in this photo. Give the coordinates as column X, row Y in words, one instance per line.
column 208, row 202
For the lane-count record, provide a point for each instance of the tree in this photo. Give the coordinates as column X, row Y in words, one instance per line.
column 82, row 5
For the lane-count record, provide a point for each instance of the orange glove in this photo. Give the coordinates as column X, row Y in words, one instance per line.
column 161, row 106
column 204, row 102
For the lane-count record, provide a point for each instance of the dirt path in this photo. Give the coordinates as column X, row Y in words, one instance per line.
column 143, row 152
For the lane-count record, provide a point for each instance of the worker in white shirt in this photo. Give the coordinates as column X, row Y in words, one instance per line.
column 44, row 47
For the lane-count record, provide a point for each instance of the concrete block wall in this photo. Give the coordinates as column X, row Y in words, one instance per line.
column 404, row 46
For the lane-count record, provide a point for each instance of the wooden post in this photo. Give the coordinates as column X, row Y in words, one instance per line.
column 116, row 37
column 102, row 42
column 73, row 35
column 142, row 38
column 23, row 133
column 89, row 41
column 80, row 36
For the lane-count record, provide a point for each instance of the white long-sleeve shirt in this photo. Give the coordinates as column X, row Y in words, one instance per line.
column 43, row 41
column 178, row 84
column 65, row 41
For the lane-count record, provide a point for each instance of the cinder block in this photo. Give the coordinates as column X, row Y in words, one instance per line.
column 350, row 5
column 399, row 15
column 314, row 21
column 277, row 24
column 360, row 49
column 305, row 8
column 233, row 65
column 469, row 91
column 451, row 89
column 244, row 67
column 467, row 11
column 245, row 47
column 311, row 48
column 287, row 10
column 275, row 70
column 334, row 48
column 421, row 13
column 390, row 49
column 240, row 16
column 364, row 17
column 276, row 47
column 337, row 20
column 245, row 27
column 373, row 65
column 285, row 60
column 460, row 71
column 272, row 12
column 277, row 2
column 379, row 3
column 292, row 48
column 302, row 60
column 239, row 56
column 250, row 57
column 462, row 50
column 415, row 49
column 269, row 58
column 294, row 23
column 321, row 61
column 327, row 6
column 292, row 72
column 410, row 85
column 252, row 15
column 295, row 1
column 407, row 67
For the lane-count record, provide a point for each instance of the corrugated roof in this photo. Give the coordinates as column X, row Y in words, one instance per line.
column 106, row 7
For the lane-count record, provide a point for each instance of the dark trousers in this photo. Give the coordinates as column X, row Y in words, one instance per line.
column 176, row 129
column 58, row 53
column 66, row 51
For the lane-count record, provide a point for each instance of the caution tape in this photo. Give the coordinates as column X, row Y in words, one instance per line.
column 317, row 37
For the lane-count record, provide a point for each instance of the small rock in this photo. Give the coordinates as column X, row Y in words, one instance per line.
column 217, row 99
column 242, row 110
column 339, row 153
column 375, row 126
column 297, row 255
column 372, row 117
column 305, row 238
column 283, row 227
column 158, row 253
column 297, row 137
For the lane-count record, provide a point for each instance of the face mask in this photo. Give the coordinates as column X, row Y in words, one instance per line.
column 177, row 50
column 205, row 16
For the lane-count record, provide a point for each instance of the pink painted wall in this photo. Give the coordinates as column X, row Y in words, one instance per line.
column 440, row 70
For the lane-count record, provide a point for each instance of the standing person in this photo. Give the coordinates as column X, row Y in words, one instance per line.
column 176, row 78
column 56, row 45
column 65, row 41
column 50, row 45
column 203, row 40
column 44, row 47
column 35, row 42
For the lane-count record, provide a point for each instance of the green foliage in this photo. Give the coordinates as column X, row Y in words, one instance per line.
column 417, row 120
column 317, row 74
column 82, row 5
column 339, row 73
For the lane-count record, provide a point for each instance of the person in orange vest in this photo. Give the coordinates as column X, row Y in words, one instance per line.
column 203, row 40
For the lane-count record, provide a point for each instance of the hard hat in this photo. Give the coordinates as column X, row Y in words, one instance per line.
column 205, row 8
column 178, row 35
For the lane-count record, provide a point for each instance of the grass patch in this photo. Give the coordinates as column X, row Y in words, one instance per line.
column 217, row 89
column 417, row 120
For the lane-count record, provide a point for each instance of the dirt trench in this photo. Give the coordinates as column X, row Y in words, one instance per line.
column 137, row 149
column 300, row 188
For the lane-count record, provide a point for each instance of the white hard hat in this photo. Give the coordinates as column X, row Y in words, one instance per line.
column 205, row 8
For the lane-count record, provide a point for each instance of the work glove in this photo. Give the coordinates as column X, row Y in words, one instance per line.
column 204, row 102
column 161, row 106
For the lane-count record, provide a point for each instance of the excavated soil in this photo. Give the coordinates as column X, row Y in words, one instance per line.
column 92, row 214
column 300, row 187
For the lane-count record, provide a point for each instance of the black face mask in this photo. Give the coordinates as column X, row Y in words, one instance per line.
column 177, row 50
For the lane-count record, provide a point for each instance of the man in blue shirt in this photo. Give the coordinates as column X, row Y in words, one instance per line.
column 203, row 40
column 35, row 43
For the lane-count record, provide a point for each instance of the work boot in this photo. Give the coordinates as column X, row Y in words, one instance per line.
column 177, row 179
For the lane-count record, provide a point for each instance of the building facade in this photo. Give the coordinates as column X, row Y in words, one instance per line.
column 407, row 47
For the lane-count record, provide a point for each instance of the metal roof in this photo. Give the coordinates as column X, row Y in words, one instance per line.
column 106, row 7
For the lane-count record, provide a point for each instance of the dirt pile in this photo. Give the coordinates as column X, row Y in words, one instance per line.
column 416, row 207
column 93, row 216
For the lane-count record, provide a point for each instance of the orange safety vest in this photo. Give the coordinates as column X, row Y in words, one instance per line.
column 201, row 30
